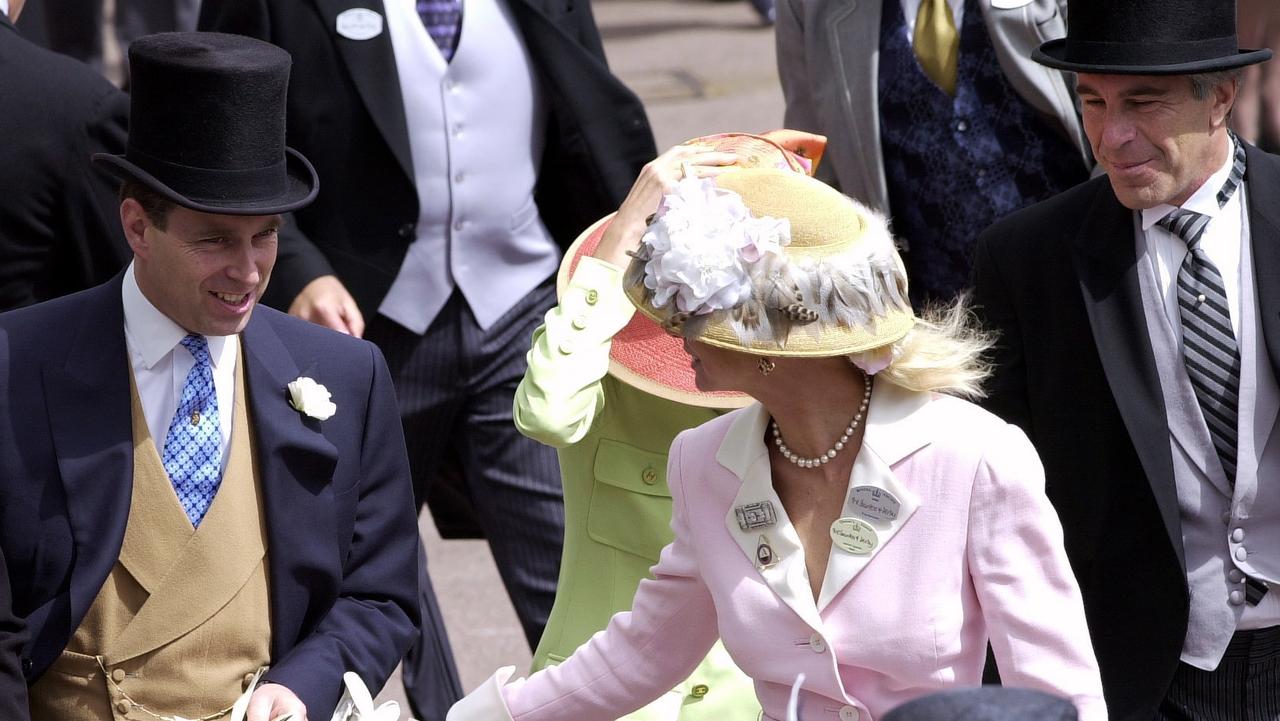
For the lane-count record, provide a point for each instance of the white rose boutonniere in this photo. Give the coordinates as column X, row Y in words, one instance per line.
column 311, row 399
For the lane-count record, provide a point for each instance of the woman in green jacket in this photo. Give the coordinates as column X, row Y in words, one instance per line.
column 610, row 390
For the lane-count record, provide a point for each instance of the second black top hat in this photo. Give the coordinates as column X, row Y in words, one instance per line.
column 1149, row 37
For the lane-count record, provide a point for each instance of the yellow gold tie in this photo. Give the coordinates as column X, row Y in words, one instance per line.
column 937, row 43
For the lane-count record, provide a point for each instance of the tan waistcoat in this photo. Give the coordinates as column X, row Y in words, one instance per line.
column 183, row 620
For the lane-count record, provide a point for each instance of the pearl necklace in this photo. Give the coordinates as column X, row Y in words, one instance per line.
column 825, row 458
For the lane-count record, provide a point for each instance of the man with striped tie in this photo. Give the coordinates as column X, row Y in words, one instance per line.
column 1139, row 316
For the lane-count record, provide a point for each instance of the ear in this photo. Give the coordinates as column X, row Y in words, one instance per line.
column 135, row 223
column 1223, row 99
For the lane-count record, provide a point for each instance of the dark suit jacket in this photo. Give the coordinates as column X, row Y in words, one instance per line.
column 341, row 531
column 346, row 115
column 59, row 216
column 13, row 688
column 1076, row 371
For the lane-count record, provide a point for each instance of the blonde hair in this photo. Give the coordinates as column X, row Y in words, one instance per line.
column 945, row 353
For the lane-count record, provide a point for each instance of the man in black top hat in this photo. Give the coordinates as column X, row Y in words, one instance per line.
column 1139, row 320
column 204, row 500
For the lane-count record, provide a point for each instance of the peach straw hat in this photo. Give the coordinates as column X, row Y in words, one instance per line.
column 645, row 356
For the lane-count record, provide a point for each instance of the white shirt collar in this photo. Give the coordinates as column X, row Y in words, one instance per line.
column 4, row 7
column 152, row 334
column 1203, row 201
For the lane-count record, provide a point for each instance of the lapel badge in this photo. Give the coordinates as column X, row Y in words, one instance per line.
column 765, row 557
column 756, row 515
column 874, row 503
column 854, row 535
column 359, row 24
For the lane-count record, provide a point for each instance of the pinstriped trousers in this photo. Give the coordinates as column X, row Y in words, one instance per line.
column 455, row 385
column 1244, row 687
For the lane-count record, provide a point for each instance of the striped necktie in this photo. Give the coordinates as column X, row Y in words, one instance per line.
column 443, row 19
column 1209, row 348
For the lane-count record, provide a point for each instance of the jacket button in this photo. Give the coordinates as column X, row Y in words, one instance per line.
column 1236, row 598
column 1235, row 575
column 566, row 348
column 123, row 707
column 580, row 322
column 247, row 682
column 592, row 297
column 649, row 476
column 699, row 690
column 118, row 675
column 848, row 713
column 817, row 643
column 1237, row 535
column 27, row 666
column 405, row 231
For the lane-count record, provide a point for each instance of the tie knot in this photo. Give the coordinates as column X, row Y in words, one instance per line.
column 198, row 346
column 1186, row 224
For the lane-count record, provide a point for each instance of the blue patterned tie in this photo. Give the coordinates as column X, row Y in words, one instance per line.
column 443, row 19
column 193, row 447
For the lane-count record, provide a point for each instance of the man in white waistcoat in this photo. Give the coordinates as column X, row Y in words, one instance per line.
column 462, row 145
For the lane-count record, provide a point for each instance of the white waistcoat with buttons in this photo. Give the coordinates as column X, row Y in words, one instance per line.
column 477, row 128
column 1226, row 531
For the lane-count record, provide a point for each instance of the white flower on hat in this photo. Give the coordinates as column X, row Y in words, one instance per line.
column 311, row 399
column 702, row 246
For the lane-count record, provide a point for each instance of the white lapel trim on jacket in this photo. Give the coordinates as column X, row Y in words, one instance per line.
column 894, row 430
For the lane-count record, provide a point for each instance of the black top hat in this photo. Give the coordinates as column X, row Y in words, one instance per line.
column 207, row 125
column 1149, row 37
column 987, row 703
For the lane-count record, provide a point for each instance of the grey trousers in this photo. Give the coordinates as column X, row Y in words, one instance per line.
column 1244, row 687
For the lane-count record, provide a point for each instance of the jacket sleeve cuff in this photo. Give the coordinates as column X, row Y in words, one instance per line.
column 486, row 703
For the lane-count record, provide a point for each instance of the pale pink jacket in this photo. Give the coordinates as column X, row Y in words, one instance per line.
column 974, row 554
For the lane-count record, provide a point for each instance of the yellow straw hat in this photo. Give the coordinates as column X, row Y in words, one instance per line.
column 771, row 262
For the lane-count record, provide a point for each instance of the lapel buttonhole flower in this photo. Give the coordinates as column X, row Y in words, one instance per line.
column 311, row 399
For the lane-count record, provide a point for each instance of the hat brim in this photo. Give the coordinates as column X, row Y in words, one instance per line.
column 1053, row 54
column 301, row 188
column 642, row 355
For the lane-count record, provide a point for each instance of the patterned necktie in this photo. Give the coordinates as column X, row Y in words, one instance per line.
column 1209, row 347
column 937, row 44
column 193, row 446
column 443, row 19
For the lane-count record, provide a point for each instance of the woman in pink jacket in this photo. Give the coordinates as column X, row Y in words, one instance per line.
column 860, row 524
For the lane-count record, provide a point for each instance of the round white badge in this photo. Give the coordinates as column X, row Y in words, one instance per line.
column 854, row 535
column 359, row 24
column 874, row 503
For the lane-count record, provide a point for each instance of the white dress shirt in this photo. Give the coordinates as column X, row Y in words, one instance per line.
column 910, row 8
column 160, row 364
column 4, row 7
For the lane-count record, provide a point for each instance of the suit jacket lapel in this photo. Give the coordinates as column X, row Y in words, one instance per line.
column 743, row 453
column 295, row 467
column 1106, row 265
column 897, row 426
column 1262, row 175
column 88, row 405
column 854, row 34
column 372, row 64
